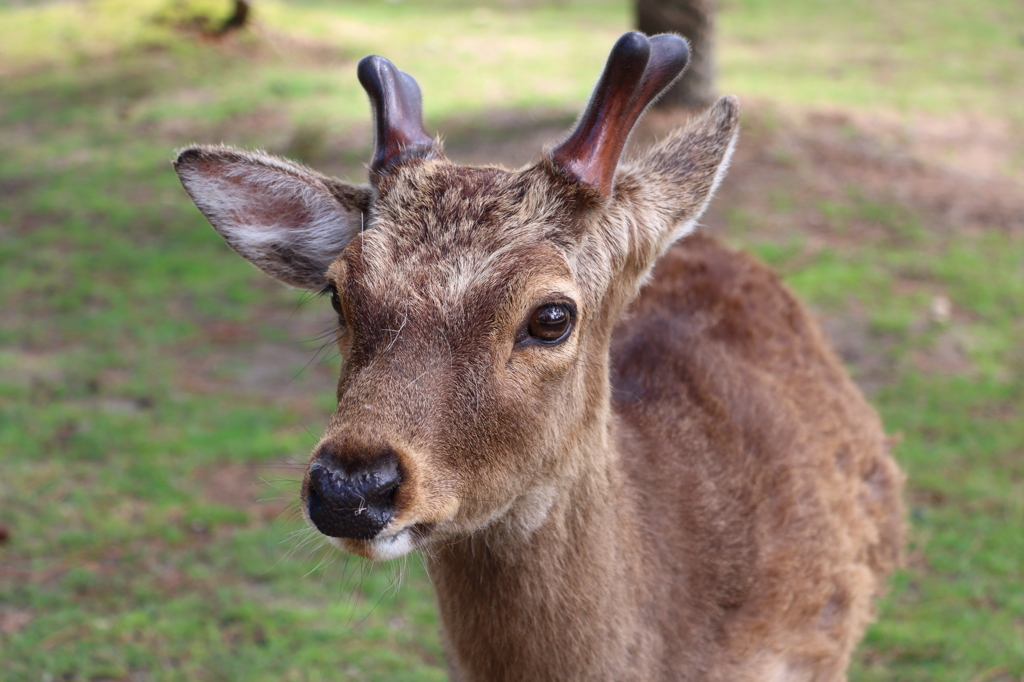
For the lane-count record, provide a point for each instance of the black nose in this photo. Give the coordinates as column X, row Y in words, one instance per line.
column 353, row 504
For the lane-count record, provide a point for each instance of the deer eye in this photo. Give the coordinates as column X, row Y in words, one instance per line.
column 551, row 323
column 335, row 303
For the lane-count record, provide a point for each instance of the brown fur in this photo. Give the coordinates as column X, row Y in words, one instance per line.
column 688, row 488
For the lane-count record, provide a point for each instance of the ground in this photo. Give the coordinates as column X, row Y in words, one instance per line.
column 158, row 396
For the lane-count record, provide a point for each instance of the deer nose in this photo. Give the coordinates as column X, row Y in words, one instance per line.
column 353, row 504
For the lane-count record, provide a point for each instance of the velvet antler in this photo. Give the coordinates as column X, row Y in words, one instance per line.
column 638, row 70
column 399, row 133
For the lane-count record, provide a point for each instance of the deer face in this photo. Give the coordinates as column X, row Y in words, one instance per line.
column 475, row 305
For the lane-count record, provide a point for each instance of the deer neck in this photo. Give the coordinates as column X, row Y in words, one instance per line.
column 530, row 596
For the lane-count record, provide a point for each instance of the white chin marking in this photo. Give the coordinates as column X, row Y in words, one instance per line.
column 380, row 548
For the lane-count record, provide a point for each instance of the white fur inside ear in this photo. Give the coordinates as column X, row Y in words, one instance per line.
column 262, row 207
column 280, row 216
column 690, row 225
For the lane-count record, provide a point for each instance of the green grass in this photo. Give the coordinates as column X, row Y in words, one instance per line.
column 911, row 55
column 150, row 380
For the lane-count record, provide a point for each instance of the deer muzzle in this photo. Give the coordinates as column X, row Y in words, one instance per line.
column 352, row 500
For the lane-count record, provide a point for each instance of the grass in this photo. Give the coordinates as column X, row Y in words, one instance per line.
column 912, row 55
column 156, row 392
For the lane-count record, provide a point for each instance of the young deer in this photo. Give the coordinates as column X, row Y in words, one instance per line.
column 614, row 475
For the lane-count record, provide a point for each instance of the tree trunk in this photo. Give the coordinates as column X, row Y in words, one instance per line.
column 237, row 19
column 694, row 20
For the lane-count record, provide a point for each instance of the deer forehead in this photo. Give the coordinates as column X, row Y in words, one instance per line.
column 442, row 235
column 466, row 292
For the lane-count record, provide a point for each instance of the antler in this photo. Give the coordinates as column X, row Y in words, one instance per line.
column 638, row 70
column 399, row 133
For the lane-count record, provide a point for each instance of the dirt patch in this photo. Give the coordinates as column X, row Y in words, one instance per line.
column 946, row 355
column 282, row 353
column 11, row 188
column 852, row 338
column 883, row 171
column 13, row 621
column 507, row 138
column 263, row 492
column 982, row 147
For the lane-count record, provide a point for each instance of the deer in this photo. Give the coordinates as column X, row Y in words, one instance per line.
column 624, row 450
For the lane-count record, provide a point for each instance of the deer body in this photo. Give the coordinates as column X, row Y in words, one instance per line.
column 723, row 536
column 609, row 481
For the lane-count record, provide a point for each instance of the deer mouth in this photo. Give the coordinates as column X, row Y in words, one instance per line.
column 387, row 545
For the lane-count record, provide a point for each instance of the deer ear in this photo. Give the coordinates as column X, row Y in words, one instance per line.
column 677, row 177
column 287, row 220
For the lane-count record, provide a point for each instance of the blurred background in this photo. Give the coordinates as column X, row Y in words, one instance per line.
column 158, row 395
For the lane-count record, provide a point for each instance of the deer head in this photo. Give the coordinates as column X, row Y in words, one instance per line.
column 475, row 305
